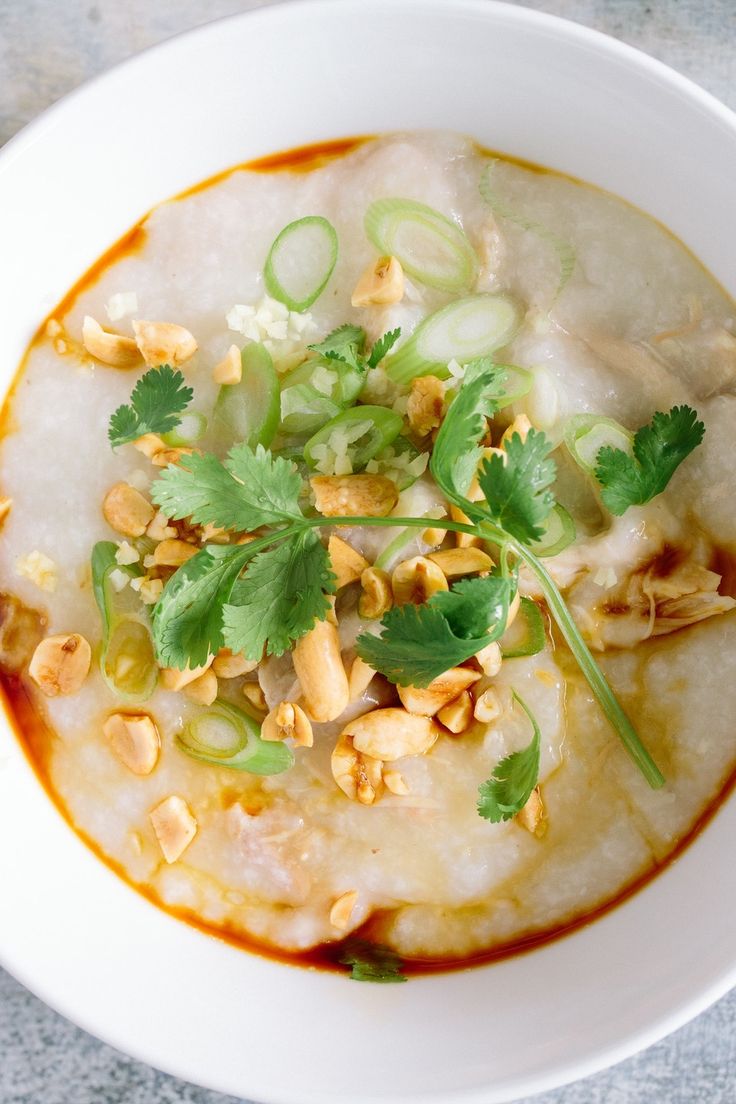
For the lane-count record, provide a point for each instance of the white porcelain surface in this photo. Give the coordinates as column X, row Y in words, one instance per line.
column 70, row 184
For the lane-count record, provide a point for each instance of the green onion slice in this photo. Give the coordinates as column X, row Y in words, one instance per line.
column 430, row 247
column 304, row 410
column 248, row 412
column 226, row 736
column 191, row 428
column 127, row 658
column 359, row 433
column 337, row 381
column 525, row 636
column 586, row 434
column 468, row 328
column 517, row 383
column 559, row 533
column 300, row 262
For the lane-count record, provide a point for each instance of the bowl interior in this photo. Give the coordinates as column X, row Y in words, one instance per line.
column 530, row 86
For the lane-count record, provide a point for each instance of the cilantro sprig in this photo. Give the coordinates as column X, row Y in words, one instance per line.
column 158, row 398
column 371, row 962
column 659, row 449
column 347, row 344
column 510, row 786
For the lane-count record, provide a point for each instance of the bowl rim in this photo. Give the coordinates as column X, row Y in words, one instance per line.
column 24, row 970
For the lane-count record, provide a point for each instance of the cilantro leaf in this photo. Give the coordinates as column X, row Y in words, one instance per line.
column 158, row 398
column 419, row 643
column 659, row 449
column 280, row 597
column 383, row 346
column 249, row 489
column 344, row 344
column 371, row 962
column 510, row 786
column 187, row 619
column 457, row 450
column 515, row 486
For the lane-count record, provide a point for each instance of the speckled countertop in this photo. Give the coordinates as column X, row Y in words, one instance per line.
column 46, row 49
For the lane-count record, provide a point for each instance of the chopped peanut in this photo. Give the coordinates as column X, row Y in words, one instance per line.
column 380, row 284
column 5, row 505
column 532, row 816
column 126, row 510
column 455, row 562
column 487, row 707
column 354, row 495
column 395, row 783
column 464, row 540
column 361, row 676
column 159, row 529
column 288, row 721
column 172, row 678
column 390, row 734
column 426, row 404
column 347, row 564
column 440, row 692
column 168, row 456
column 416, row 580
column 359, row 776
column 342, row 910
column 230, row 369
column 489, row 659
column 458, row 715
column 109, row 348
column 434, row 535
column 134, row 739
column 227, row 664
column 520, row 425
column 319, row 668
column 163, row 343
column 252, row 692
column 173, row 553
column 377, row 597
column 60, row 664
column 174, row 825
column 149, row 444
column 202, row 690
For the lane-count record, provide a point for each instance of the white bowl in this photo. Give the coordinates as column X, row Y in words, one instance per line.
column 521, row 82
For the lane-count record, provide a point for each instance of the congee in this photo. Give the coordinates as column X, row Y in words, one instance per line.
column 368, row 553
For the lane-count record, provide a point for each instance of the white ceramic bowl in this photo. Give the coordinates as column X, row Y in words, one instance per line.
column 521, row 82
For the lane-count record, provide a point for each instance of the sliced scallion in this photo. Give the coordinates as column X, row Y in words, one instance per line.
column 430, row 247
column 586, row 434
column 127, row 657
column 248, row 412
column 191, row 428
column 525, row 636
column 559, row 533
column 226, row 736
column 304, row 410
column 300, row 262
column 468, row 328
column 360, row 433
column 517, row 383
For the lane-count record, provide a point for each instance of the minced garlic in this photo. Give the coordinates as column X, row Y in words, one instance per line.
column 270, row 322
column 39, row 569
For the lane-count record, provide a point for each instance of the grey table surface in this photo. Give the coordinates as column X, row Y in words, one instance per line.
column 46, row 49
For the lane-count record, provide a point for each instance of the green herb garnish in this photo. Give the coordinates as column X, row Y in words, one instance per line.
column 158, row 398
column 371, row 962
column 510, row 786
column 659, row 449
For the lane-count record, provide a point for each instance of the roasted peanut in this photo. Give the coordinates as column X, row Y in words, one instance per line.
column 358, row 776
column 487, row 707
column 288, row 721
column 395, row 783
column 390, row 734
column 532, row 816
column 361, row 676
column 168, row 456
column 380, row 284
column 319, row 668
column 377, row 597
column 442, row 690
column 60, row 664
column 230, row 369
column 159, row 529
column 174, row 825
column 464, row 540
column 342, row 910
column 354, row 495
column 173, row 553
column 489, row 659
column 454, row 562
column 202, row 690
column 149, row 444
column 416, row 580
column 347, row 564
column 163, row 343
column 426, row 404
column 134, row 740
column 227, row 664
column 520, row 425
column 458, row 715
column 5, row 505
column 252, row 693
column 110, row 348
column 172, row 678
column 126, row 510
